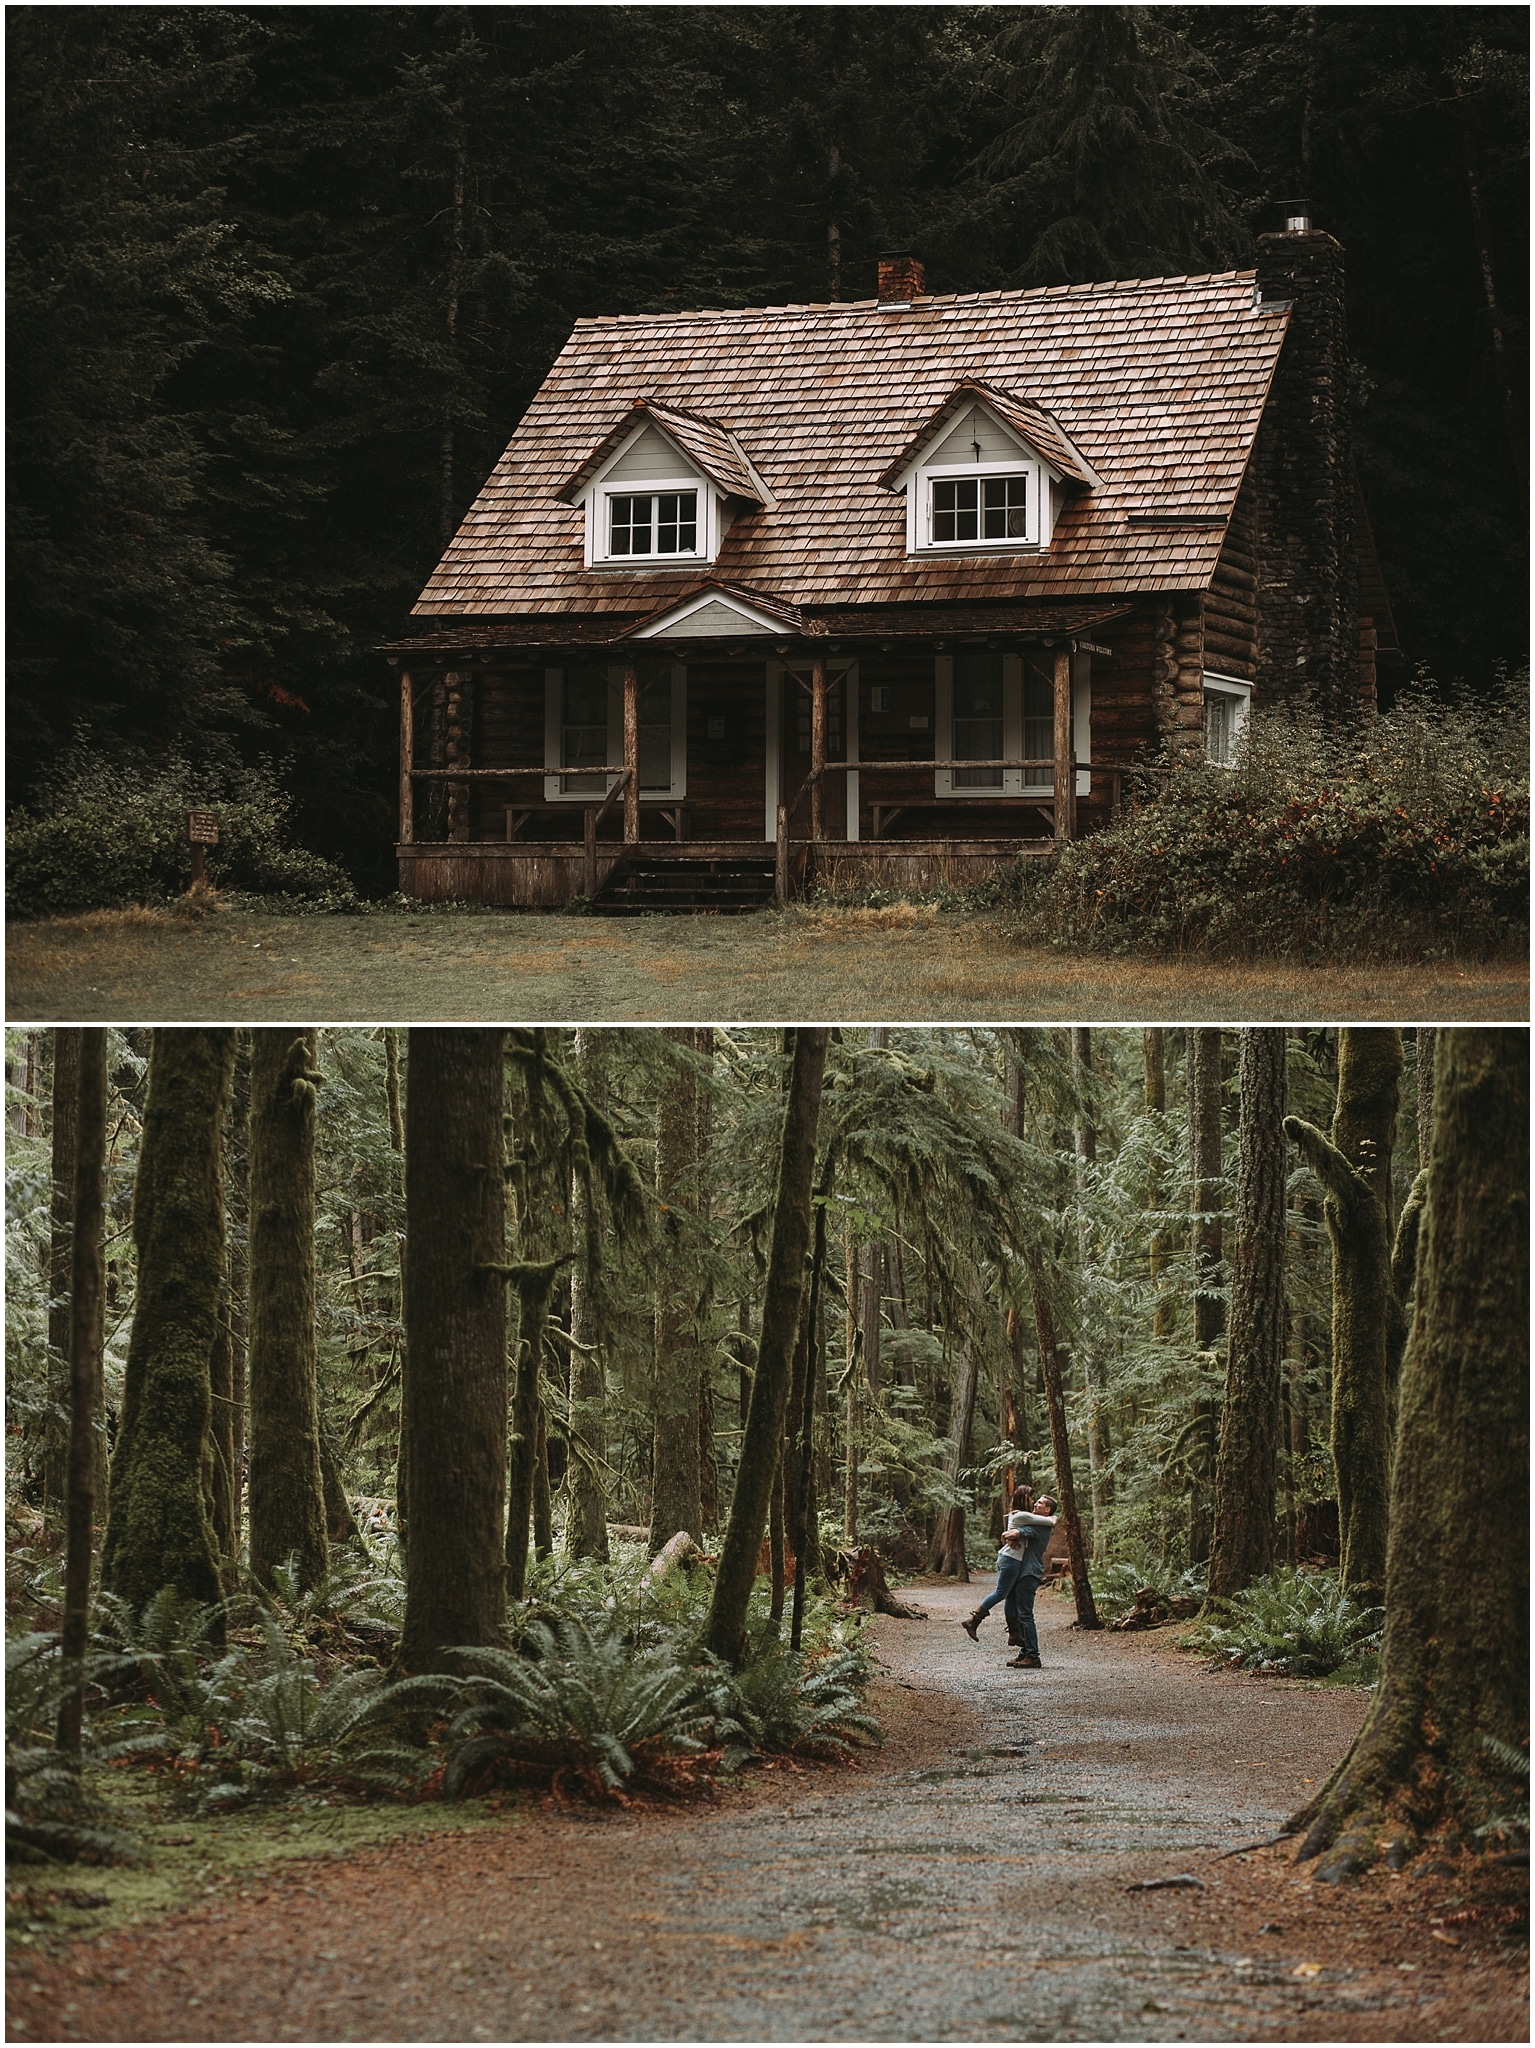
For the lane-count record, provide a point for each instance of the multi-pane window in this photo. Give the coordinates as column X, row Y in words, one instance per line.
column 656, row 728
column 653, row 523
column 834, row 696
column 980, row 508
column 1038, row 723
column 584, row 730
column 978, row 717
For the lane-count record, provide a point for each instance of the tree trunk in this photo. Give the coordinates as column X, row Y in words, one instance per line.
column 784, row 1291
column 543, row 1503
column 850, row 1421
column 158, row 1533
column 1204, row 1109
column 287, row 1487
column 1065, row 1483
column 1085, row 1146
column 228, row 1366
column 586, row 1533
column 534, row 1284
column 56, row 1428
column 1154, row 1055
column 778, row 1579
column 947, row 1554
column 1455, row 1662
column 1351, row 1167
column 453, row 1396
column 1423, row 1050
column 1242, row 1548
column 86, row 1277
column 676, row 1492
column 807, row 1548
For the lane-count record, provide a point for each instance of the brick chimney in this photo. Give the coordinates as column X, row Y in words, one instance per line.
column 900, row 278
column 1308, row 596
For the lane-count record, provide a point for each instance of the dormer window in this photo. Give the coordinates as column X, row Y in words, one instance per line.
column 652, row 522
column 662, row 488
column 981, row 508
column 985, row 475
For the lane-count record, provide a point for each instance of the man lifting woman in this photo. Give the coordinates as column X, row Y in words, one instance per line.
column 1020, row 1567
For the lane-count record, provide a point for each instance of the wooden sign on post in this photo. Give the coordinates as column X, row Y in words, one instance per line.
column 202, row 830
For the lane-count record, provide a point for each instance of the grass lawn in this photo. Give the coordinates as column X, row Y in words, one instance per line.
column 904, row 963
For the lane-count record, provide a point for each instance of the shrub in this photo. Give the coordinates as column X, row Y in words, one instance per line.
column 1115, row 1586
column 51, row 1815
column 805, row 1706
column 109, row 835
column 587, row 1714
column 227, row 1724
column 1405, row 836
column 1295, row 1624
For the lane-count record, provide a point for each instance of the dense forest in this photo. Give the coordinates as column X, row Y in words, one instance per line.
column 502, row 1320
column 282, row 281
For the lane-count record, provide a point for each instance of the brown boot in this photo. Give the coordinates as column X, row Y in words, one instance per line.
column 972, row 1622
column 1023, row 1663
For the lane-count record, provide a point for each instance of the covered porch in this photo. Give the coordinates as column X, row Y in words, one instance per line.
column 534, row 774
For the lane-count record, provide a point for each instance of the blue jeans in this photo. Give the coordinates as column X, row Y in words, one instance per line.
column 1020, row 1611
column 1007, row 1579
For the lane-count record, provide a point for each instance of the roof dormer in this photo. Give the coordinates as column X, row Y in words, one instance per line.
column 660, row 490
column 984, row 473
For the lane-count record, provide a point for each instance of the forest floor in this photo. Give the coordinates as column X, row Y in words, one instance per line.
column 906, row 962
column 970, row 1882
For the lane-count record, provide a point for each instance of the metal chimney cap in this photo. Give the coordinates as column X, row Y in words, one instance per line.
column 1297, row 217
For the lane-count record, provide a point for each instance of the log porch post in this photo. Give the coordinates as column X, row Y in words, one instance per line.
column 407, row 761
column 1065, row 766
column 631, row 753
column 817, row 741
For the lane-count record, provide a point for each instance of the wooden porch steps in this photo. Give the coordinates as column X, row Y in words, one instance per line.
column 730, row 884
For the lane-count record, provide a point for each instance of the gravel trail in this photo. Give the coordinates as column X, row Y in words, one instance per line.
column 970, row 1884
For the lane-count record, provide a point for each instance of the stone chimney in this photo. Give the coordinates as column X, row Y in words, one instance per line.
column 1308, row 594
column 900, row 279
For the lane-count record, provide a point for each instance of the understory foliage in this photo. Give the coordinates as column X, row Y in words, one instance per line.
column 52, row 1813
column 111, row 834
column 1407, row 836
column 1296, row 1624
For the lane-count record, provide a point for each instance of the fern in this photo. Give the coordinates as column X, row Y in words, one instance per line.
column 51, row 1816
column 1295, row 1624
column 1510, row 1770
column 587, row 1714
column 804, row 1707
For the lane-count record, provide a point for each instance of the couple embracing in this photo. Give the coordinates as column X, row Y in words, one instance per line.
column 1020, row 1567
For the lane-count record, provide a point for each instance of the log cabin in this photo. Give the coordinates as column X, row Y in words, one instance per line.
column 884, row 593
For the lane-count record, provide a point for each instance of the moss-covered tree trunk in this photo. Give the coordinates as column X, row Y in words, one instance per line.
column 1354, row 1166
column 947, row 1551
column 1154, row 1059
column 65, row 1093
column 1208, row 1189
column 1246, row 1473
column 533, row 1283
column 1084, row 1138
column 86, row 1291
column 676, row 1488
column 226, row 1366
column 586, row 1531
column 453, row 1406
column 158, row 1532
column 1060, row 1443
column 1455, row 1662
column 287, row 1485
column 782, row 1299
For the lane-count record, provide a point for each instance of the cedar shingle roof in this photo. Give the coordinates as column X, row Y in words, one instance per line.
column 712, row 447
column 1036, row 425
column 1158, row 383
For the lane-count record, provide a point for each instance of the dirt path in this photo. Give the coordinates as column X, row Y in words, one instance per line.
column 904, row 963
column 971, row 1885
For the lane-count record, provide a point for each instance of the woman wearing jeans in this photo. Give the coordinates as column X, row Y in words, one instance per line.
column 1020, row 1567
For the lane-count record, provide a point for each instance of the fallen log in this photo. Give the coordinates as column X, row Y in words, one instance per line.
column 676, row 1550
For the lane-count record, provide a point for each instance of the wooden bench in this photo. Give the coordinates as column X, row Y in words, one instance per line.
column 885, row 814
column 676, row 815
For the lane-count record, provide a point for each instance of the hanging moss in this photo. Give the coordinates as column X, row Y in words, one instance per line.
column 158, row 1531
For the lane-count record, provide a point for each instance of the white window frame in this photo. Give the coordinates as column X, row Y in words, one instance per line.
column 595, row 497
column 1012, row 729
column 1239, row 694
column 554, row 685
column 919, row 523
